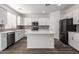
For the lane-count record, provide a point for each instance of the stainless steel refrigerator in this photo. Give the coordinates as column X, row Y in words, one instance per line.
column 65, row 25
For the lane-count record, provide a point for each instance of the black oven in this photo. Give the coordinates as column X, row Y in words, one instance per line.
column 35, row 26
column 34, row 23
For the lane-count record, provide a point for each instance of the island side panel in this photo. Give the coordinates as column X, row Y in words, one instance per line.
column 40, row 41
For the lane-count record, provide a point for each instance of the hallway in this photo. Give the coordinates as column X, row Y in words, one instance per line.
column 20, row 48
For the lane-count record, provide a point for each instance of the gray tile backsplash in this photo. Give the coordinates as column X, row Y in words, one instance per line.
column 29, row 27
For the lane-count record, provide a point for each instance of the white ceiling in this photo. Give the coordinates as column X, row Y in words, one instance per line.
column 37, row 8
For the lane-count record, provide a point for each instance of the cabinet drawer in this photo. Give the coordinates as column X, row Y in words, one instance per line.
column 70, row 38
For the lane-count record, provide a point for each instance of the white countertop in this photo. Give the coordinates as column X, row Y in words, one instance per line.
column 31, row 32
column 6, row 31
column 40, row 32
column 74, row 32
column 11, row 31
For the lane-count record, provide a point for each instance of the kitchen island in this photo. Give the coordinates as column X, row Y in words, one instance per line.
column 40, row 39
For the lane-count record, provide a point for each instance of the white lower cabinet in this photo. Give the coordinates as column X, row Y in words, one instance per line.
column 70, row 38
column 16, row 36
column 3, row 41
column 19, row 34
column 74, row 40
column 3, row 38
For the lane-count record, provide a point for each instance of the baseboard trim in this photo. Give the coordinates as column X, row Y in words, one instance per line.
column 40, row 48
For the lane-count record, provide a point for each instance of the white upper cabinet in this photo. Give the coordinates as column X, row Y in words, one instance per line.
column 76, row 16
column 0, row 17
column 73, row 13
column 11, row 21
column 18, row 20
column 3, row 16
column 27, row 21
column 41, row 21
column 69, row 15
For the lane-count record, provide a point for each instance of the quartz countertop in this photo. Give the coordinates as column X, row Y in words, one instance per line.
column 28, row 31
column 10, row 30
column 40, row 32
column 73, row 32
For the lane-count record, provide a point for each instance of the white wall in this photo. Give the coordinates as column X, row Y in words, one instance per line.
column 9, row 9
column 68, row 13
column 54, row 23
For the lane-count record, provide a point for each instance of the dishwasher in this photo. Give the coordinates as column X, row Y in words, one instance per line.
column 10, row 38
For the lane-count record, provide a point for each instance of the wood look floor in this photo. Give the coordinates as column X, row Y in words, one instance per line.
column 20, row 48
